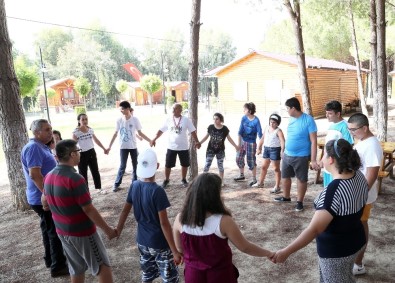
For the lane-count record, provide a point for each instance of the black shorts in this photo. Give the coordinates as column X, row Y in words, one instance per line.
column 171, row 157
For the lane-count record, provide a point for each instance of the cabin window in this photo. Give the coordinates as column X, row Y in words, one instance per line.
column 68, row 93
column 240, row 91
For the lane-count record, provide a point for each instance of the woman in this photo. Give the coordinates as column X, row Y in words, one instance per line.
column 84, row 135
column 336, row 224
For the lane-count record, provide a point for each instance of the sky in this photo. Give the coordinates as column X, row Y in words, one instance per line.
column 143, row 18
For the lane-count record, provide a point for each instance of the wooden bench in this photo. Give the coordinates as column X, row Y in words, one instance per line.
column 384, row 173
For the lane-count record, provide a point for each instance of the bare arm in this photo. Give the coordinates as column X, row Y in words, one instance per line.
column 371, row 175
column 232, row 142
column 98, row 143
column 75, row 137
column 280, row 135
column 195, row 138
column 123, row 216
column 313, row 155
column 143, row 136
column 112, row 140
column 167, row 231
column 37, row 177
column 158, row 134
column 260, row 144
column 204, row 139
column 96, row 218
column 230, row 229
column 177, row 233
column 318, row 224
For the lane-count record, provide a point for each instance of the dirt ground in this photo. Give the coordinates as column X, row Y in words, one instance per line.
column 267, row 223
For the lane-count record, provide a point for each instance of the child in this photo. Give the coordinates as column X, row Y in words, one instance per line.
column 216, row 145
column 201, row 232
column 273, row 142
column 154, row 235
column 250, row 127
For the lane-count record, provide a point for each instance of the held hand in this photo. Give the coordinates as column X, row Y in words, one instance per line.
column 44, row 203
column 112, row 234
column 314, row 165
column 106, row 151
column 152, row 143
column 198, row 145
column 258, row 151
column 237, row 148
column 280, row 256
column 178, row 258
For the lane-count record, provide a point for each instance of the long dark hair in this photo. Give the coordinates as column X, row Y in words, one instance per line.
column 203, row 196
column 347, row 158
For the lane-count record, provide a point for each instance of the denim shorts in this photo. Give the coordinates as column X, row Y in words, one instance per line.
column 272, row 153
column 157, row 262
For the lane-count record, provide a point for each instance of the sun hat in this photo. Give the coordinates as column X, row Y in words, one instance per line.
column 147, row 163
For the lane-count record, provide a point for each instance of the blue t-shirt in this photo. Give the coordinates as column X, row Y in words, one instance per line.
column 148, row 199
column 298, row 135
column 250, row 129
column 36, row 154
column 344, row 199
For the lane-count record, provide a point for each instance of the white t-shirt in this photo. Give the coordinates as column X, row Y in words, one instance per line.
column 177, row 136
column 127, row 132
column 371, row 155
column 84, row 140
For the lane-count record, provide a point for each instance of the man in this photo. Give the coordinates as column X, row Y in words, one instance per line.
column 371, row 154
column 300, row 149
column 177, row 143
column 37, row 161
column 127, row 126
column 337, row 130
column 67, row 196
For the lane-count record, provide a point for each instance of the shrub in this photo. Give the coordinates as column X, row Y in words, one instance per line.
column 184, row 105
column 80, row 110
column 170, row 100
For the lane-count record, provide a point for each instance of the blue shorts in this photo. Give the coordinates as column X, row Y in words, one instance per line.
column 272, row 153
column 157, row 262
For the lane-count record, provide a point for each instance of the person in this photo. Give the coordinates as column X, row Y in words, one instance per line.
column 158, row 254
column 273, row 142
column 371, row 154
column 337, row 129
column 127, row 126
column 201, row 232
column 300, row 148
column 57, row 136
column 85, row 136
column 37, row 160
column 336, row 224
column 250, row 127
column 217, row 132
column 177, row 125
column 67, row 196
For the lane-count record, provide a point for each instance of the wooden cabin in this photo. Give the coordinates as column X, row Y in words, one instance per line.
column 269, row 79
column 178, row 89
column 66, row 96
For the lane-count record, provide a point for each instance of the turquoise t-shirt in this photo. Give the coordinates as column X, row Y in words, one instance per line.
column 298, row 142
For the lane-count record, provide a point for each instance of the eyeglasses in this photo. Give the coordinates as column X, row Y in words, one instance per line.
column 354, row 129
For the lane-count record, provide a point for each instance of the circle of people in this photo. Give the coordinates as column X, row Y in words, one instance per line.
column 201, row 231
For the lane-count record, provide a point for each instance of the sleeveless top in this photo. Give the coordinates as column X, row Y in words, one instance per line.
column 207, row 255
column 271, row 138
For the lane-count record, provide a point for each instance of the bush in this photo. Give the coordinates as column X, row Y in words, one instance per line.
column 170, row 99
column 80, row 110
column 184, row 105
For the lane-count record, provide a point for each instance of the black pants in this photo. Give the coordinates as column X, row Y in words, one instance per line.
column 53, row 256
column 88, row 158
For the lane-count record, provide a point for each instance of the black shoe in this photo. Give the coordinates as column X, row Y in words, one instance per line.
column 184, row 183
column 165, row 183
column 282, row 199
column 299, row 206
column 61, row 272
column 252, row 183
column 240, row 178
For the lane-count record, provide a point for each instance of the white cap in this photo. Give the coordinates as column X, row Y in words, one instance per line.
column 147, row 163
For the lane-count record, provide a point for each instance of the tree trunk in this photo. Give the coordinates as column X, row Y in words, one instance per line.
column 373, row 60
column 382, row 112
column 193, row 81
column 357, row 62
column 294, row 12
column 12, row 120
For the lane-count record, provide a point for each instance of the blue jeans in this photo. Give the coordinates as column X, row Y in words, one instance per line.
column 124, row 153
column 53, row 256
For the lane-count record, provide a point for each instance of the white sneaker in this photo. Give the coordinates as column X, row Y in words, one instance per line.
column 358, row 270
column 257, row 185
column 275, row 190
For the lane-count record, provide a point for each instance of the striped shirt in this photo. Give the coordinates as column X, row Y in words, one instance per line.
column 66, row 193
column 344, row 199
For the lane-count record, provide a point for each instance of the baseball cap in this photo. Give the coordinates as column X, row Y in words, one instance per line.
column 147, row 163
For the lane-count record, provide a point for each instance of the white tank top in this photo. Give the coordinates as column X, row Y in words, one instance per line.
column 271, row 138
column 211, row 226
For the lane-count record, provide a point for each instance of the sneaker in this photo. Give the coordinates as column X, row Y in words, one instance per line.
column 299, row 206
column 240, row 178
column 358, row 270
column 184, row 183
column 61, row 272
column 257, row 185
column 252, row 183
column 275, row 190
column 282, row 199
column 165, row 183
column 115, row 189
